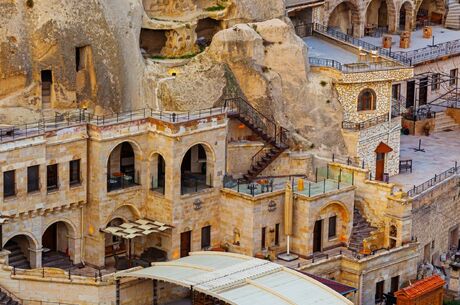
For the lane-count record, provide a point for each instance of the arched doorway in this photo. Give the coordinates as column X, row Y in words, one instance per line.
column 157, row 174
column 406, row 15
column 430, row 11
column 381, row 155
column 345, row 18
column 196, row 169
column 332, row 227
column 58, row 246
column 121, row 167
column 380, row 16
column 20, row 247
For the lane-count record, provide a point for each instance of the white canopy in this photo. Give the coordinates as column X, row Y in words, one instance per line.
column 140, row 227
column 241, row 280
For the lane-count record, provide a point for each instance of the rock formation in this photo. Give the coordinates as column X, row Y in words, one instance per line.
column 90, row 54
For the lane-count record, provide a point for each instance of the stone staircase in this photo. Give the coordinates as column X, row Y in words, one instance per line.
column 5, row 299
column 46, row 95
column 453, row 15
column 444, row 122
column 55, row 259
column 271, row 133
column 16, row 258
column 361, row 230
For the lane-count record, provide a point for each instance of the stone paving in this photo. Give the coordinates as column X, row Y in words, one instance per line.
column 442, row 149
column 320, row 48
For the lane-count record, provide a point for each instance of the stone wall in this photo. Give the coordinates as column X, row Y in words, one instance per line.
column 433, row 219
column 33, row 212
column 364, row 273
column 308, row 210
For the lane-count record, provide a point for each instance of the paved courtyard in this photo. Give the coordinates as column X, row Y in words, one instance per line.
column 442, row 149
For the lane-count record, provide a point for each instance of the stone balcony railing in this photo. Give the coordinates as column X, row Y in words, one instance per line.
column 79, row 117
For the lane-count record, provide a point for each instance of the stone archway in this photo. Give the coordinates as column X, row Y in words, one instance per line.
column 24, row 251
column 381, row 13
column 345, row 17
column 60, row 246
column 123, row 165
column 406, row 16
column 336, row 214
column 197, row 169
column 430, row 11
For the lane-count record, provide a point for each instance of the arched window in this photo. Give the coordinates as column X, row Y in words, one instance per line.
column 196, row 170
column 367, row 100
column 121, row 167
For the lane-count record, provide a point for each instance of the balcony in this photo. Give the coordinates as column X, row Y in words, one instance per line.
column 119, row 181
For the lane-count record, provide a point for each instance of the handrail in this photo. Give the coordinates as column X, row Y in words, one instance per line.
column 321, row 29
column 277, row 135
column 433, row 52
column 81, row 116
column 351, row 68
column 416, row 190
column 405, row 57
column 365, row 124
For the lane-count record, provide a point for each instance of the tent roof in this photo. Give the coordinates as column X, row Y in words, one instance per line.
column 242, row 280
column 140, row 227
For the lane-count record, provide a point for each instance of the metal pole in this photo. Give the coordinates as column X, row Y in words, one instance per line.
column 117, row 292
column 155, row 292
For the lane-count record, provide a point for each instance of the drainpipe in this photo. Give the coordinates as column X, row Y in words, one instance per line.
column 157, row 99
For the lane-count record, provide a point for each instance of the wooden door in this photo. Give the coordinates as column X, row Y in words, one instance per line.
column 318, row 236
column 185, row 243
column 379, row 166
column 410, row 94
column 423, row 92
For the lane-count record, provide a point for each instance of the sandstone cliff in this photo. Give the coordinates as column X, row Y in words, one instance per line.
column 270, row 66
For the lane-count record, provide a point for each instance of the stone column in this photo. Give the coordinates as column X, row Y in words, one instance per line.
column 35, row 257
column 75, row 249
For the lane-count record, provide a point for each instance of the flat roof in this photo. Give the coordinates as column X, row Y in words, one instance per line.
column 241, row 280
column 440, row 34
column 321, row 48
column 442, row 149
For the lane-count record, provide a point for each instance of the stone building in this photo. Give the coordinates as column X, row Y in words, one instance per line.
column 249, row 139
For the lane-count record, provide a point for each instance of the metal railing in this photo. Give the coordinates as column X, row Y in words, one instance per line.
column 274, row 133
column 77, row 117
column 121, row 182
column 191, row 185
column 432, row 52
column 365, row 124
column 407, row 58
column 416, row 190
column 324, row 62
column 324, row 30
column 353, row 67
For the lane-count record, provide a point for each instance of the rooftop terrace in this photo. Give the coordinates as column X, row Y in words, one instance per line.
column 321, row 48
column 441, row 151
column 325, row 182
column 440, row 34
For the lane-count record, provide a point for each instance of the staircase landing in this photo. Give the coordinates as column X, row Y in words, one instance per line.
column 361, row 230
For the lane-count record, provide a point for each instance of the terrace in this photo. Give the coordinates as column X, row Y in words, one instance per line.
column 322, row 52
column 441, row 35
column 441, row 152
column 325, row 181
column 81, row 116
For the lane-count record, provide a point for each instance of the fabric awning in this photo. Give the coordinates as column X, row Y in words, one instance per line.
column 137, row 228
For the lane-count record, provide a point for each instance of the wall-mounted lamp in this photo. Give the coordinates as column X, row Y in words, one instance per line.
column 197, row 204
column 272, row 206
